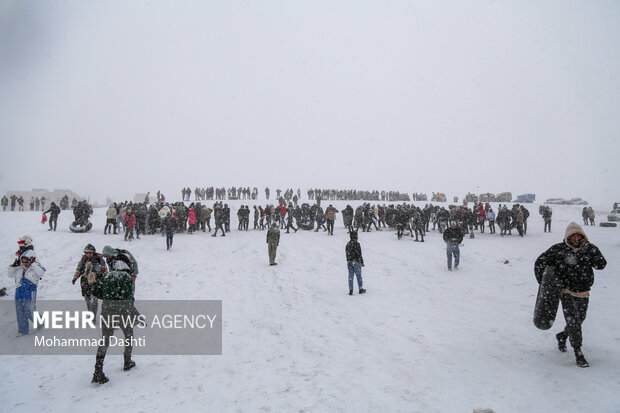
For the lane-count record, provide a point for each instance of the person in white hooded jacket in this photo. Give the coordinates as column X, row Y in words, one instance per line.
column 111, row 215
column 26, row 273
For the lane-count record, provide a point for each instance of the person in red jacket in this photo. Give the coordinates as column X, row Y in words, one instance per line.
column 283, row 211
column 191, row 220
column 482, row 216
column 129, row 220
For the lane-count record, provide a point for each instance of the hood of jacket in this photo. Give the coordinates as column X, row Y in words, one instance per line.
column 573, row 228
column 107, row 250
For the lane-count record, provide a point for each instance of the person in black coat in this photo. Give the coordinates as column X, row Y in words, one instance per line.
column 453, row 236
column 347, row 218
column 572, row 261
column 54, row 211
column 355, row 262
column 226, row 217
column 546, row 214
column 289, row 219
column 218, row 213
column 169, row 224
column 526, row 215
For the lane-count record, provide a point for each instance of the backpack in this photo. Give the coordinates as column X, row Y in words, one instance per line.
column 129, row 260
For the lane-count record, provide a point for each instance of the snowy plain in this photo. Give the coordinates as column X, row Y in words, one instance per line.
column 421, row 340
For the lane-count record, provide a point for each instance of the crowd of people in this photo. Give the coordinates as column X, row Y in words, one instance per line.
column 134, row 219
column 290, row 195
column 36, row 202
column 211, row 193
column 169, row 218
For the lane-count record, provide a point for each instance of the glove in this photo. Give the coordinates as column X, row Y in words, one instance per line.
column 585, row 251
column 74, row 280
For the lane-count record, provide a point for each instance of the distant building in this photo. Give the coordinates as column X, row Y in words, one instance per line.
column 139, row 198
column 50, row 196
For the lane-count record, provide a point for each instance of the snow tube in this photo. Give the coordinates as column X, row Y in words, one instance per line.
column 78, row 227
column 305, row 224
column 608, row 224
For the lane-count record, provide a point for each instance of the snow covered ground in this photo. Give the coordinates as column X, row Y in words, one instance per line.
column 421, row 340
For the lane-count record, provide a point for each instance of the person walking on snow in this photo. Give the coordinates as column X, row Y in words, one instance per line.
column 115, row 291
column 110, row 223
column 573, row 261
column 26, row 272
column 54, row 211
column 90, row 269
column 453, row 237
column 491, row 219
column 169, row 224
column 355, row 262
column 330, row 216
column 130, row 222
column 273, row 239
column 547, row 213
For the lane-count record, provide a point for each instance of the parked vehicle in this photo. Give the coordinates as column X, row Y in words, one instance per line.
column 503, row 197
column 526, row 198
column 614, row 215
column 488, row 197
column 577, row 201
column 471, row 198
column 562, row 201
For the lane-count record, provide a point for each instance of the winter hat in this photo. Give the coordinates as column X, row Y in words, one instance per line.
column 25, row 240
column 28, row 255
column 90, row 248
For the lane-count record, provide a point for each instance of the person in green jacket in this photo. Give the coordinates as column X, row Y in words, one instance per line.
column 116, row 292
column 273, row 239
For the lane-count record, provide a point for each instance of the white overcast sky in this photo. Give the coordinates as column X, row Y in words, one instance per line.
column 110, row 98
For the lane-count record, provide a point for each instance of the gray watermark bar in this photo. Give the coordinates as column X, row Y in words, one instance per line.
column 154, row 327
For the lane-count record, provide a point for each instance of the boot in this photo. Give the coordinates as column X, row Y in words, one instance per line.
column 99, row 377
column 580, row 359
column 129, row 363
column 561, row 337
column 350, row 292
column 362, row 291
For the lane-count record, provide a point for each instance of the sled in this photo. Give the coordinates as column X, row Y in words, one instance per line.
column 547, row 300
column 43, row 219
column 79, row 227
column 608, row 224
